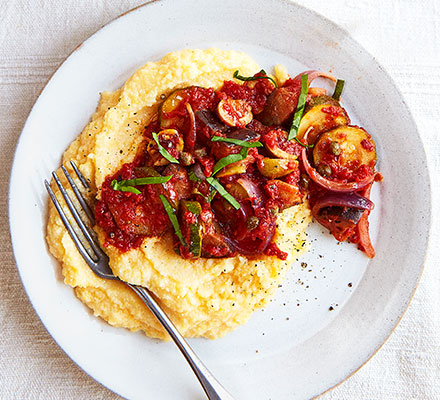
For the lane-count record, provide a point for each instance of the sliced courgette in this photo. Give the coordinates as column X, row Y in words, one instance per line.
column 350, row 145
column 322, row 118
column 193, row 227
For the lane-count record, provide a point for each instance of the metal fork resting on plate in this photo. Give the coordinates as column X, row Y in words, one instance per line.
column 98, row 262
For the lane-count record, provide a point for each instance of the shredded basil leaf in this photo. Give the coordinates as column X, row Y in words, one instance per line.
column 309, row 146
column 223, row 162
column 338, row 89
column 300, row 107
column 148, row 180
column 173, row 218
column 238, row 142
column 121, row 187
column 232, row 158
column 163, row 151
column 128, row 185
column 222, row 192
column 253, row 78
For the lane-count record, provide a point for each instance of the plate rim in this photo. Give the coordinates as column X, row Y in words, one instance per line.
column 334, row 25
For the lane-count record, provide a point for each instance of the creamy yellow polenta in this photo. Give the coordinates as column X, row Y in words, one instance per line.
column 203, row 297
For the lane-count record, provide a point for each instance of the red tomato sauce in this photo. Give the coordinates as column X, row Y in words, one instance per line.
column 212, row 223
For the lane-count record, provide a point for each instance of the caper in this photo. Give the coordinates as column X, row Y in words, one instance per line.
column 274, row 210
column 186, row 158
column 334, row 148
column 252, row 222
column 200, row 152
column 324, row 170
column 304, row 181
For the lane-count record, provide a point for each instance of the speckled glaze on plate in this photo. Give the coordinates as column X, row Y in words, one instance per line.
column 334, row 310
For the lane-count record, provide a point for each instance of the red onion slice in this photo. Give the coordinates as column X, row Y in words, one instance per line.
column 363, row 227
column 252, row 190
column 352, row 200
column 250, row 247
column 191, row 137
column 328, row 184
column 313, row 74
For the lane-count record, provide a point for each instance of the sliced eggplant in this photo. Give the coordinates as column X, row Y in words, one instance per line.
column 171, row 103
column 280, row 106
column 245, row 189
column 180, row 180
column 285, row 194
column 214, row 243
column 223, row 149
column 210, row 120
column 238, row 167
column 145, row 172
column 277, row 144
column 170, row 114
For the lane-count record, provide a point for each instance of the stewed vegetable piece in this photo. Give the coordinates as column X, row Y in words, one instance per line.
column 235, row 113
column 171, row 141
column 276, row 167
column 192, row 228
column 278, row 145
column 322, row 118
column 224, row 163
column 343, row 151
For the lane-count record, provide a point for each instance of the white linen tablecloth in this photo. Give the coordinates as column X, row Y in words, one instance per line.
column 35, row 38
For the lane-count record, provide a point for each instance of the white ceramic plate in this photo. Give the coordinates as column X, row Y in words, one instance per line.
column 296, row 348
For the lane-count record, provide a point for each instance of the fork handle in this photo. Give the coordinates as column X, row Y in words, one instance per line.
column 213, row 389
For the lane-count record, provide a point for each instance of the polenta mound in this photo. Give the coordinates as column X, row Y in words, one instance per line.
column 204, row 296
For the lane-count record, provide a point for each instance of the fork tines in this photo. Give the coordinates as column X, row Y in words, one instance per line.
column 91, row 259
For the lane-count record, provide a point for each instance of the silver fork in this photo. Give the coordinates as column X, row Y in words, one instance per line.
column 98, row 262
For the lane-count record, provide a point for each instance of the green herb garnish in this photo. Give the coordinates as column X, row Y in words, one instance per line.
column 309, row 146
column 338, row 89
column 238, row 142
column 223, row 162
column 128, row 185
column 299, row 108
column 232, row 158
column 244, row 152
column 222, row 192
column 163, row 151
column 253, row 78
column 173, row 218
